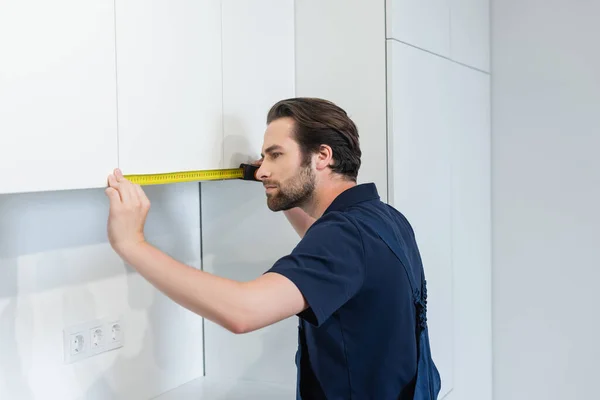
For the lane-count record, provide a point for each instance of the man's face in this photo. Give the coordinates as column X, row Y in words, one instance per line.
column 287, row 182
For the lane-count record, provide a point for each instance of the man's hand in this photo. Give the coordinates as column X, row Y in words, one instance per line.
column 129, row 207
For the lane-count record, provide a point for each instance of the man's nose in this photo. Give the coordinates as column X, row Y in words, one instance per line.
column 262, row 173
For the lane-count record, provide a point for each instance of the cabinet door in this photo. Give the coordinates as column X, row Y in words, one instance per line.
column 422, row 24
column 169, row 85
column 258, row 70
column 58, row 123
column 439, row 137
column 420, row 180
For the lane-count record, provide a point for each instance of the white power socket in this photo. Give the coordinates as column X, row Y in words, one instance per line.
column 93, row 337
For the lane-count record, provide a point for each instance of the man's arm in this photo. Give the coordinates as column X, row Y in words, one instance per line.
column 239, row 307
column 300, row 220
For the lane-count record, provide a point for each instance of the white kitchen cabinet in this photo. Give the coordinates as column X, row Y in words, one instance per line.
column 422, row 24
column 258, row 71
column 420, row 176
column 470, row 32
column 439, row 174
column 169, row 85
column 58, row 122
column 175, row 86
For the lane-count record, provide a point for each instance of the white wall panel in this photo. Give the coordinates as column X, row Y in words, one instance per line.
column 57, row 269
column 241, row 239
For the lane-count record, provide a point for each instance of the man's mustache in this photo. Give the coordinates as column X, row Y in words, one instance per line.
column 270, row 183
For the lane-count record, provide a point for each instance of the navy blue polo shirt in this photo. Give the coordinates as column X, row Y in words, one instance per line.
column 357, row 339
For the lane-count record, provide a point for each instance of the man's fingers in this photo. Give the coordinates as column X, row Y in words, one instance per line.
column 113, row 195
column 114, row 185
column 130, row 194
column 124, row 187
column 119, row 174
column 143, row 199
column 120, row 186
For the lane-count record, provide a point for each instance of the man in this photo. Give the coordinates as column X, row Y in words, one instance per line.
column 360, row 308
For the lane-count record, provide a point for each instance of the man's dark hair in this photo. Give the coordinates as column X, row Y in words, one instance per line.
column 320, row 122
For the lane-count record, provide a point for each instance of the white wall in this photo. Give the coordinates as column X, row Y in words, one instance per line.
column 57, row 269
column 546, row 199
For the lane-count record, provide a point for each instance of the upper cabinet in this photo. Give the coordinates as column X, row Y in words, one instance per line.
column 258, row 71
column 58, row 122
column 422, row 24
column 454, row 29
column 420, row 175
column 470, row 32
column 150, row 87
column 169, row 85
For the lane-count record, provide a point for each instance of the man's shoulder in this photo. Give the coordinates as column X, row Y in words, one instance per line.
column 331, row 221
column 375, row 210
column 356, row 218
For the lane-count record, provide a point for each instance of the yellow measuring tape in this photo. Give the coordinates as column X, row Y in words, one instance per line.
column 246, row 172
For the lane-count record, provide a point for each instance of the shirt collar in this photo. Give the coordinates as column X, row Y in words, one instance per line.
column 352, row 196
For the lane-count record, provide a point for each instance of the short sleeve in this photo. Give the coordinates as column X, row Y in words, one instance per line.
column 327, row 266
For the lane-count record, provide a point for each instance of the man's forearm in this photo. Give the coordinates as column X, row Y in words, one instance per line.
column 299, row 220
column 215, row 298
column 239, row 307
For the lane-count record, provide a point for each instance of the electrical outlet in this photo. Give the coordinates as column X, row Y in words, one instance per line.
column 91, row 338
column 116, row 335
column 97, row 338
column 77, row 344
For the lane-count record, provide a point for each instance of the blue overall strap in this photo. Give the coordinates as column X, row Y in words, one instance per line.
column 428, row 382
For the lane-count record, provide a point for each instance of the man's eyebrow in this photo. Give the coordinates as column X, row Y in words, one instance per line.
column 271, row 149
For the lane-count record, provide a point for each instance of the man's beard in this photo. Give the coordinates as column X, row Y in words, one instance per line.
column 296, row 191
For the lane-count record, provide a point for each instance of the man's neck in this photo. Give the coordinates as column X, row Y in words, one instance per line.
column 325, row 195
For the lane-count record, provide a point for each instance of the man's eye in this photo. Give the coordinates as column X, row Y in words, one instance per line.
column 275, row 155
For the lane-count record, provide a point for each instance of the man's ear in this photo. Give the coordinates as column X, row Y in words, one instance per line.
column 324, row 158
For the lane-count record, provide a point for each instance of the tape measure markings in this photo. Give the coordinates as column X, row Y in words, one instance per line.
column 186, row 176
column 245, row 172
